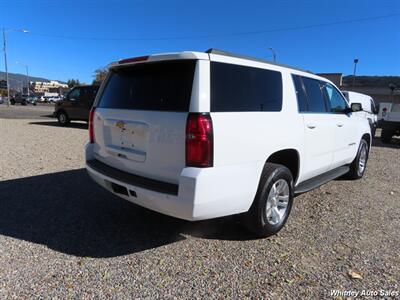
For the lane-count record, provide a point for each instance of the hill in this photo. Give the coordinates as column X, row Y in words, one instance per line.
column 17, row 79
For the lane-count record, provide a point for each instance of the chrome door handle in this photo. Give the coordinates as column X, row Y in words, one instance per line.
column 311, row 126
column 339, row 125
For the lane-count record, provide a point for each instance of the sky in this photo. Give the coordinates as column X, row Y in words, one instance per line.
column 71, row 39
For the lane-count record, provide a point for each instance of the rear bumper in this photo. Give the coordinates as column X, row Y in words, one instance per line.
column 201, row 193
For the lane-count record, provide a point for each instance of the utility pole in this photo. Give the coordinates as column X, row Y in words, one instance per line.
column 27, row 77
column 5, row 63
column 355, row 68
column 273, row 53
column 5, row 58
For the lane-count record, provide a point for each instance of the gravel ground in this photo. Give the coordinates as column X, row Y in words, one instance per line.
column 61, row 236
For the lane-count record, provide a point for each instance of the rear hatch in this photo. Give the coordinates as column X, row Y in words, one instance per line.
column 140, row 118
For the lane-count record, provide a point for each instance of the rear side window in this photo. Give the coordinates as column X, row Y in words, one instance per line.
column 316, row 101
column 162, row 86
column 241, row 88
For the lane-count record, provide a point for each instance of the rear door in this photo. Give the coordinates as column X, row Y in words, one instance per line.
column 72, row 102
column 140, row 118
column 318, row 126
column 86, row 99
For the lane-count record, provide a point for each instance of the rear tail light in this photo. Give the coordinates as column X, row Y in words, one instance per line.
column 91, row 129
column 199, row 140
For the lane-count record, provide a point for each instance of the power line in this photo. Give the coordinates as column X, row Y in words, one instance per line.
column 220, row 35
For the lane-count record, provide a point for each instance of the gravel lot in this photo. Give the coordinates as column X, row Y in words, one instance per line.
column 61, row 236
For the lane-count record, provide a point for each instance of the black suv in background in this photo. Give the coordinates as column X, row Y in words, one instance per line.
column 76, row 104
column 23, row 100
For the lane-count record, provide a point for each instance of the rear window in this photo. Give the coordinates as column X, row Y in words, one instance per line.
column 241, row 88
column 162, row 86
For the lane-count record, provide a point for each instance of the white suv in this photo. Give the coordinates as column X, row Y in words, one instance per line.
column 205, row 135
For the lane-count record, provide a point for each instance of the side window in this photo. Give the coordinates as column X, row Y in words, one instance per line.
column 395, row 107
column 300, row 94
column 74, row 94
column 241, row 88
column 336, row 102
column 88, row 94
column 316, row 101
column 374, row 110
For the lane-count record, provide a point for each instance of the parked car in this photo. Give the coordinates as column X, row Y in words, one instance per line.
column 389, row 120
column 205, row 135
column 54, row 99
column 19, row 99
column 76, row 104
column 1, row 100
column 32, row 100
column 370, row 111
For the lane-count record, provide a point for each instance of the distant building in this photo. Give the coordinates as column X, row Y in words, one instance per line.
column 53, row 86
column 375, row 86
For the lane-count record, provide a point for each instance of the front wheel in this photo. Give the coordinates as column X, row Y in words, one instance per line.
column 273, row 202
column 359, row 164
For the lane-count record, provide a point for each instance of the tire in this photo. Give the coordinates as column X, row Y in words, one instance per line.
column 267, row 215
column 386, row 136
column 359, row 164
column 12, row 102
column 62, row 118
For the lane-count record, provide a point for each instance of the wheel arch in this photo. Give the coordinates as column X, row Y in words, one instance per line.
column 368, row 138
column 290, row 158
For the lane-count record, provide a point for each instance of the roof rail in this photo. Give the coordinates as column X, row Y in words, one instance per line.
column 226, row 53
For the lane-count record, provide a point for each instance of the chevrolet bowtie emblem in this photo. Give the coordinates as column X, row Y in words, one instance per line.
column 120, row 125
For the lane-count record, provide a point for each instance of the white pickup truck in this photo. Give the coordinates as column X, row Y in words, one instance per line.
column 205, row 135
column 389, row 120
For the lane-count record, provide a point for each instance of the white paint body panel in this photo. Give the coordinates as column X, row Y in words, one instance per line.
column 243, row 141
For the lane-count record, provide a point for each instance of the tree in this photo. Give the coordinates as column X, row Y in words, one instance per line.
column 73, row 82
column 99, row 76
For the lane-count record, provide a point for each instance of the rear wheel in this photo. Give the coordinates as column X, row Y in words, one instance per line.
column 62, row 118
column 386, row 135
column 273, row 201
column 358, row 166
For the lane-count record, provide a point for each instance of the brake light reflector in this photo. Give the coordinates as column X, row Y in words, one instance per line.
column 133, row 59
column 199, row 140
column 91, row 129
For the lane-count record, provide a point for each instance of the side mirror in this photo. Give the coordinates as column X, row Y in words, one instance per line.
column 355, row 107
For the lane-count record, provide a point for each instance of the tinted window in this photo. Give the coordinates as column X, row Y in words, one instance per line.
column 88, row 94
column 301, row 96
column 316, row 101
column 164, row 86
column 240, row 88
column 336, row 102
column 74, row 94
